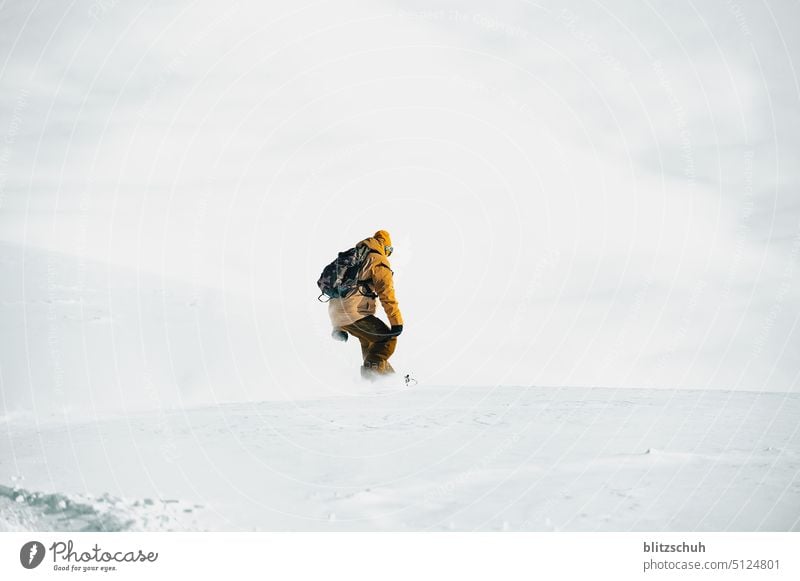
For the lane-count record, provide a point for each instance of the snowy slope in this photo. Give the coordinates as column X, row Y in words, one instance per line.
column 579, row 194
column 440, row 458
column 114, row 390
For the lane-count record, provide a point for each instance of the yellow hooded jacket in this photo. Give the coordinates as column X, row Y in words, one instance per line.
column 377, row 276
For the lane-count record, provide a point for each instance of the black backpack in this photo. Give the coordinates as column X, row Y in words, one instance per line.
column 340, row 278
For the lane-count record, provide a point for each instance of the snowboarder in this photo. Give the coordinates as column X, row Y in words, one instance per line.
column 355, row 314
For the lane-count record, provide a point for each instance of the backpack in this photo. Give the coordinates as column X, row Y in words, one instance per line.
column 340, row 278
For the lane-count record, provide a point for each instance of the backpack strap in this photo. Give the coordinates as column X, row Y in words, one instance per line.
column 366, row 283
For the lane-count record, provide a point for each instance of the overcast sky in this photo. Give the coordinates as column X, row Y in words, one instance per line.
column 580, row 193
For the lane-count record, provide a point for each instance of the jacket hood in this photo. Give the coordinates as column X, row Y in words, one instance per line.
column 378, row 241
column 383, row 236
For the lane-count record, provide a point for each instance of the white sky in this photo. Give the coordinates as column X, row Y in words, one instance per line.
column 579, row 193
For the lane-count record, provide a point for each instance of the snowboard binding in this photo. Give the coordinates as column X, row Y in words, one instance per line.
column 409, row 381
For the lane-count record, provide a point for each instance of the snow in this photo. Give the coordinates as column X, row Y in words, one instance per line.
column 578, row 195
column 22, row 510
column 426, row 458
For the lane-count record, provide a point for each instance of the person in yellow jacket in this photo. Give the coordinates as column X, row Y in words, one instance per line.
column 355, row 315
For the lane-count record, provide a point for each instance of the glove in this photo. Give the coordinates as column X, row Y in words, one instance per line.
column 339, row 335
column 396, row 330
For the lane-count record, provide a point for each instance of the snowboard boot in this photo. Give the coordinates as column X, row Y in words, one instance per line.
column 376, row 370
